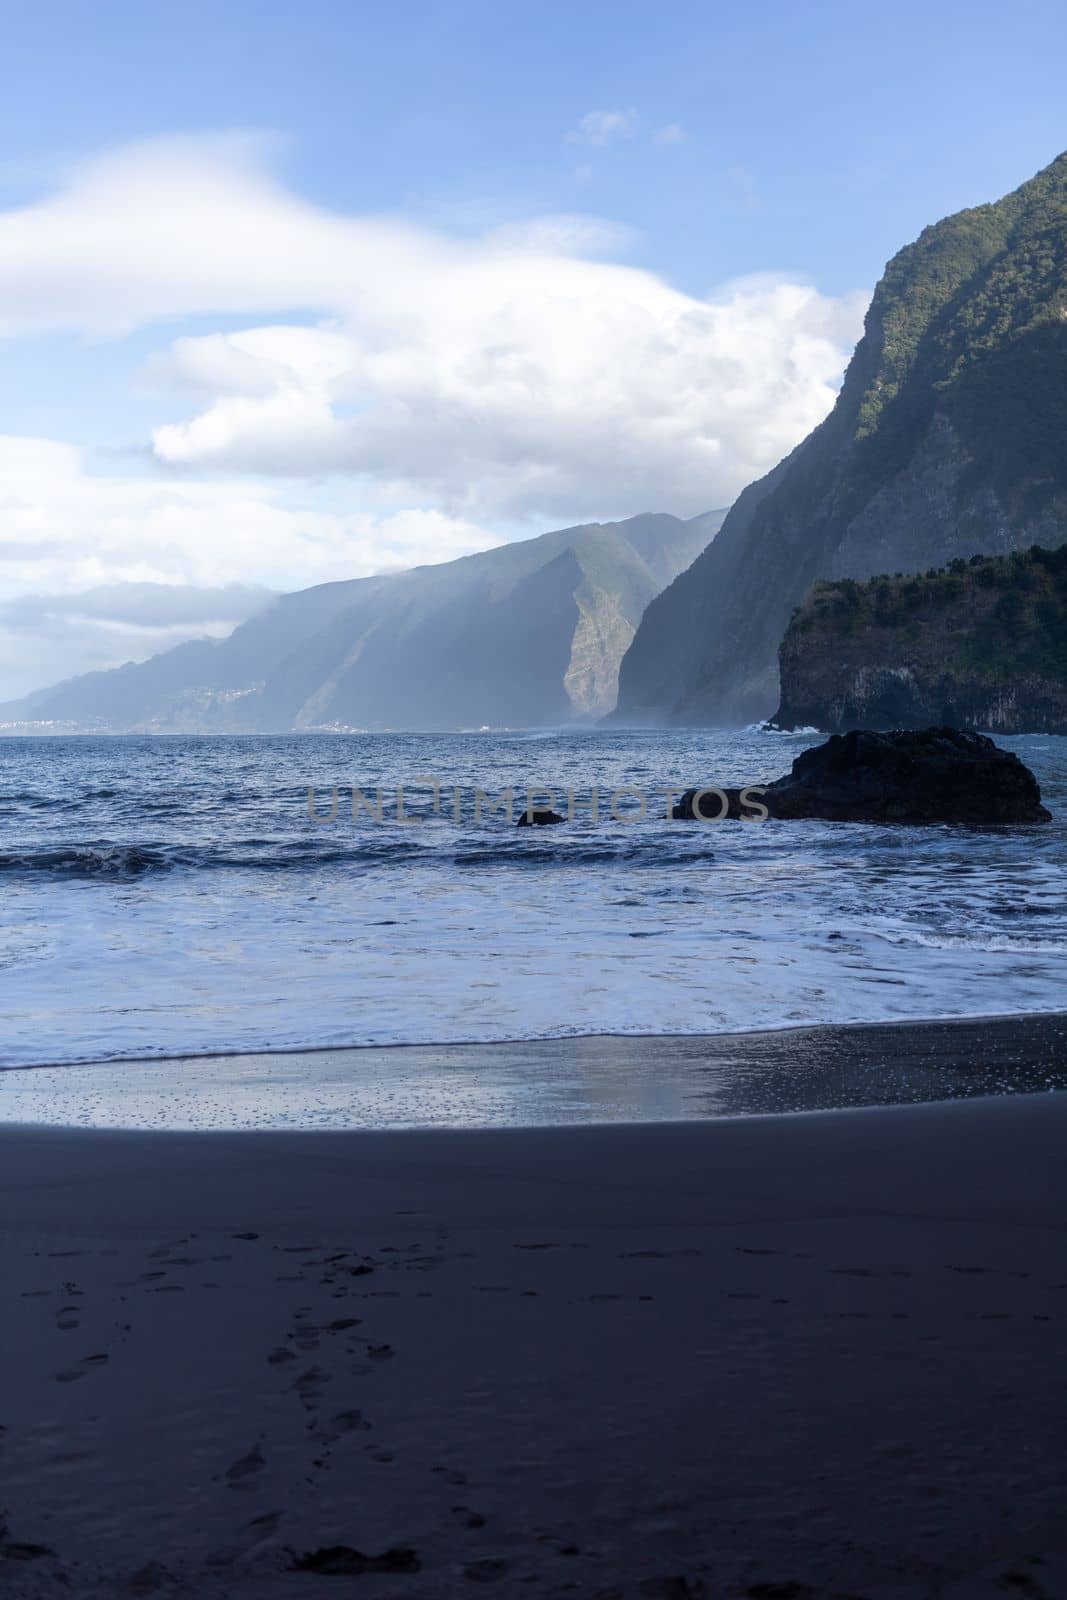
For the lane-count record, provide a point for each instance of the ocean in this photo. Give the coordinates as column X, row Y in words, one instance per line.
column 167, row 896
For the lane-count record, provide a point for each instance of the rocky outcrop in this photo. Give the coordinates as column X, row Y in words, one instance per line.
column 712, row 804
column 947, row 440
column 938, row 775
column 538, row 817
column 981, row 644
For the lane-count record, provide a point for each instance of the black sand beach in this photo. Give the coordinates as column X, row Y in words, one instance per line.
column 783, row 1356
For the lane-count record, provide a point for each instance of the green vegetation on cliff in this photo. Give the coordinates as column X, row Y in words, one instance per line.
column 974, row 324
column 979, row 643
column 998, row 615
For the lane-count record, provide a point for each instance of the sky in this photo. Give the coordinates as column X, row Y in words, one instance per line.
column 297, row 293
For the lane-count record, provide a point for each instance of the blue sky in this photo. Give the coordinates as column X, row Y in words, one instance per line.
column 461, row 271
column 857, row 124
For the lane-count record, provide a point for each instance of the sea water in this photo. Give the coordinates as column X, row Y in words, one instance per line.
column 172, row 895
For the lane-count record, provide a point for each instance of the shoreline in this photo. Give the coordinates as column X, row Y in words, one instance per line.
column 569, row 1080
column 671, row 1360
column 517, row 1041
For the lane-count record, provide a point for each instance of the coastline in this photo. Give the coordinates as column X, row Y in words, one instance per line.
column 586, row 1360
column 575, row 1079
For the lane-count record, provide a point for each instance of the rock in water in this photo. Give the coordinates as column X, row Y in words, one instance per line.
column 717, row 805
column 936, row 775
column 537, row 817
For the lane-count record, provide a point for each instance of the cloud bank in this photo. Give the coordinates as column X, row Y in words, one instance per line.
column 47, row 637
column 392, row 393
column 66, row 532
column 502, row 377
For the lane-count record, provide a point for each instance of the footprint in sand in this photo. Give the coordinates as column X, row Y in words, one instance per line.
column 267, row 1524
column 245, row 1466
column 148, row 1579
column 340, row 1560
column 488, row 1570
column 468, row 1518
column 308, row 1385
column 87, row 1363
column 351, row 1422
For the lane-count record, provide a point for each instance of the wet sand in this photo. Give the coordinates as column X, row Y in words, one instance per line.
column 551, row 1082
column 777, row 1357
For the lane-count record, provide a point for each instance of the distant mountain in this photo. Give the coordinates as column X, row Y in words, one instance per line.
column 949, row 438
column 530, row 633
column 981, row 644
column 45, row 636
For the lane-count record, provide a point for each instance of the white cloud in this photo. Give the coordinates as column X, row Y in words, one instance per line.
column 45, row 637
column 465, row 384
column 64, row 529
column 65, row 532
column 602, row 128
column 523, row 387
column 672, row 133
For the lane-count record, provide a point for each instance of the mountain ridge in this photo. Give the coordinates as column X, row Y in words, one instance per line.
column 525, row 633
column 947, row 439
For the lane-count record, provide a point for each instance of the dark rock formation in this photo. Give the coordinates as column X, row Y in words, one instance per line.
column 720, row 805
column 538, row 817
column 937, row 775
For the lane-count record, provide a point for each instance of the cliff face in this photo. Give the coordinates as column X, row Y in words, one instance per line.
column 949, row 437
column 979, row 645
column 530, row 633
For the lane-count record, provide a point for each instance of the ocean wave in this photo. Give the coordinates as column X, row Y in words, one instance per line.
column 509, row 849
column 980, row 943
column 89, row 861
column 518, row 853
column 112, row 860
